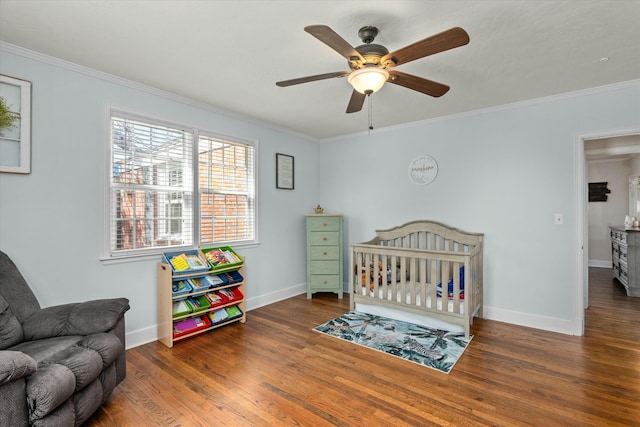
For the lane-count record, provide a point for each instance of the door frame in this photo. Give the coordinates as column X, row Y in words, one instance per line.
column 582, row 220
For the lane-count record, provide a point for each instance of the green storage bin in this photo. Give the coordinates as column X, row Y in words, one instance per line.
column 199, row 303
column 182, row 307
column 222, row 258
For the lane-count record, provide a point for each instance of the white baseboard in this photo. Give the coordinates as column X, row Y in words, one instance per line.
column 141, row 336
column 600, row 263
column 568, row 327
column 262, row 300
column 150, row 333
column 533, row 321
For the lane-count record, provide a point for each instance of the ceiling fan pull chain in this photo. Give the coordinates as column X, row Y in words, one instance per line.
column 370, row 113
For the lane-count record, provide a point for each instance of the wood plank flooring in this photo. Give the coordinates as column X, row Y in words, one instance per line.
column 275, row 371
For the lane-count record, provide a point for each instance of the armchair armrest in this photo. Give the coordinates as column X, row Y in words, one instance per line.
column 82, row 318
column 15, row 365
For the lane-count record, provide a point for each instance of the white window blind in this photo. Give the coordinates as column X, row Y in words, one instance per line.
column 226, row 183
column 151, row 186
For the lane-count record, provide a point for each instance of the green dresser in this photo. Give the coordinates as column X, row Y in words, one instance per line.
column 324, row 254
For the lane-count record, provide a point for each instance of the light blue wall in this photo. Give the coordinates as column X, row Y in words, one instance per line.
column 504, row 173
column 51, row 221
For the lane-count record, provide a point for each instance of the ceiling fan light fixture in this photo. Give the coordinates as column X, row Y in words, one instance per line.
column 368, row 80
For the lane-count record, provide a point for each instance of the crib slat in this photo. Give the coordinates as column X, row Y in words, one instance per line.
column 385, row 269
column 413, row 280
column 456, row 288
column 403, row 280
column 394, row 284
column 435, row 264
column 423, row 283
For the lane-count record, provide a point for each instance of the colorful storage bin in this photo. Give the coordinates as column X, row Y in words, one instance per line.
column 187, row 261
column 192, row 324
column 231, row 277
column 181, row 308
column 217, row 298
column 199, row 303
column 180, row 288
column 232, row 294
column 233, row 312
column 222, row 257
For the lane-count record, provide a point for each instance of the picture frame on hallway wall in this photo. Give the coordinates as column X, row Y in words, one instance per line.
column 284, row 171
column 15, row 134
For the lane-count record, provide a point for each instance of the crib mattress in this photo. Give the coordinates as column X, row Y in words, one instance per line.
column 407, row 299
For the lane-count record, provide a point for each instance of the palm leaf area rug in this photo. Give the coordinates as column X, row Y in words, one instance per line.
column 435, row 348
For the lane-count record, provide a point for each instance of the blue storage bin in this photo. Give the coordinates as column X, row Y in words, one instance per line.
column 180, row 287
column 195, row 261
column 231, row 277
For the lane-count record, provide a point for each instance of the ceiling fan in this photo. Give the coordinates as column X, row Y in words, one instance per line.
column 372, row 65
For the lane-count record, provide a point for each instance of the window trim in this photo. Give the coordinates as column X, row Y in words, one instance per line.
column 109, row 256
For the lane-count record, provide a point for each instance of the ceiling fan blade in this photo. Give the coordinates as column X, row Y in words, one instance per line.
column 452, row 38
column 332, row 39
column 307, row 79
column 428, row 87
column 356, row 102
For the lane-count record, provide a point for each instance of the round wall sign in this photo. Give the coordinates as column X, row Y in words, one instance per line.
column 423, row 170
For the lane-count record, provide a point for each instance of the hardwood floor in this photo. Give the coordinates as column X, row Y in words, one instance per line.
column 274, row 370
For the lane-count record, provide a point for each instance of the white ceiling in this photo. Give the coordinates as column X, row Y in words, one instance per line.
column 229, row 54
column 619, row 148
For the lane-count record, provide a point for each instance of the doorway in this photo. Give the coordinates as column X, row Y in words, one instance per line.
column 603, row 145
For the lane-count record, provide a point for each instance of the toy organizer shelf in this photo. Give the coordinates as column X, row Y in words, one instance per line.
column 166, row 298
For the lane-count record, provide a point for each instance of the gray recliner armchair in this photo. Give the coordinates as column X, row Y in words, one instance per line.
column 57, row 364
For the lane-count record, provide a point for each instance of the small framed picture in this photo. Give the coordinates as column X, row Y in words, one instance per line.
column 15, row 125
column 284, row 171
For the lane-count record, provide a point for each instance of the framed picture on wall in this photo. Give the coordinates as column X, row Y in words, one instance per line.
column 284, row 171
column 15, row 125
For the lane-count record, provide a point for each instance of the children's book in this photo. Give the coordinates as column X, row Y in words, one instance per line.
column 179, row 262
column 216, row 299
column 218, row 315
column 198, row 284
column 213, row 280
column 180, row 287
column 181, row 308
column 189, row 325
column 196, row 262
column 231, row 294
column 199, row 303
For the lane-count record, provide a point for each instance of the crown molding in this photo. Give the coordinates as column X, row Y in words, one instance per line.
column 498, row 108
column 27, row 53
column 61, row 63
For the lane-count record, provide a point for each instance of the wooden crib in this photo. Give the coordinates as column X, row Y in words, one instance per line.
column 422, row 267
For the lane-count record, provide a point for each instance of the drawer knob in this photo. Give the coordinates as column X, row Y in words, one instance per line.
column 324, row 224
column 324, row 238
column 325, row 282
column 324, row 253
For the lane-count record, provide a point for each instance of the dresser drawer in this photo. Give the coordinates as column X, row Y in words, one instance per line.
column 324, row 238
column 622, row 253
column 324, row 253
column 324, row 267
column 325, row 281
column 324, row 223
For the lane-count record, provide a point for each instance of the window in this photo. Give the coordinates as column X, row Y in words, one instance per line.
column 226, row 187
column 152, row 188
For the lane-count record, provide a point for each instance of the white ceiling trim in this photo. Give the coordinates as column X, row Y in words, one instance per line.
column 111, row 78
column 27, row 53
column 488, row 110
